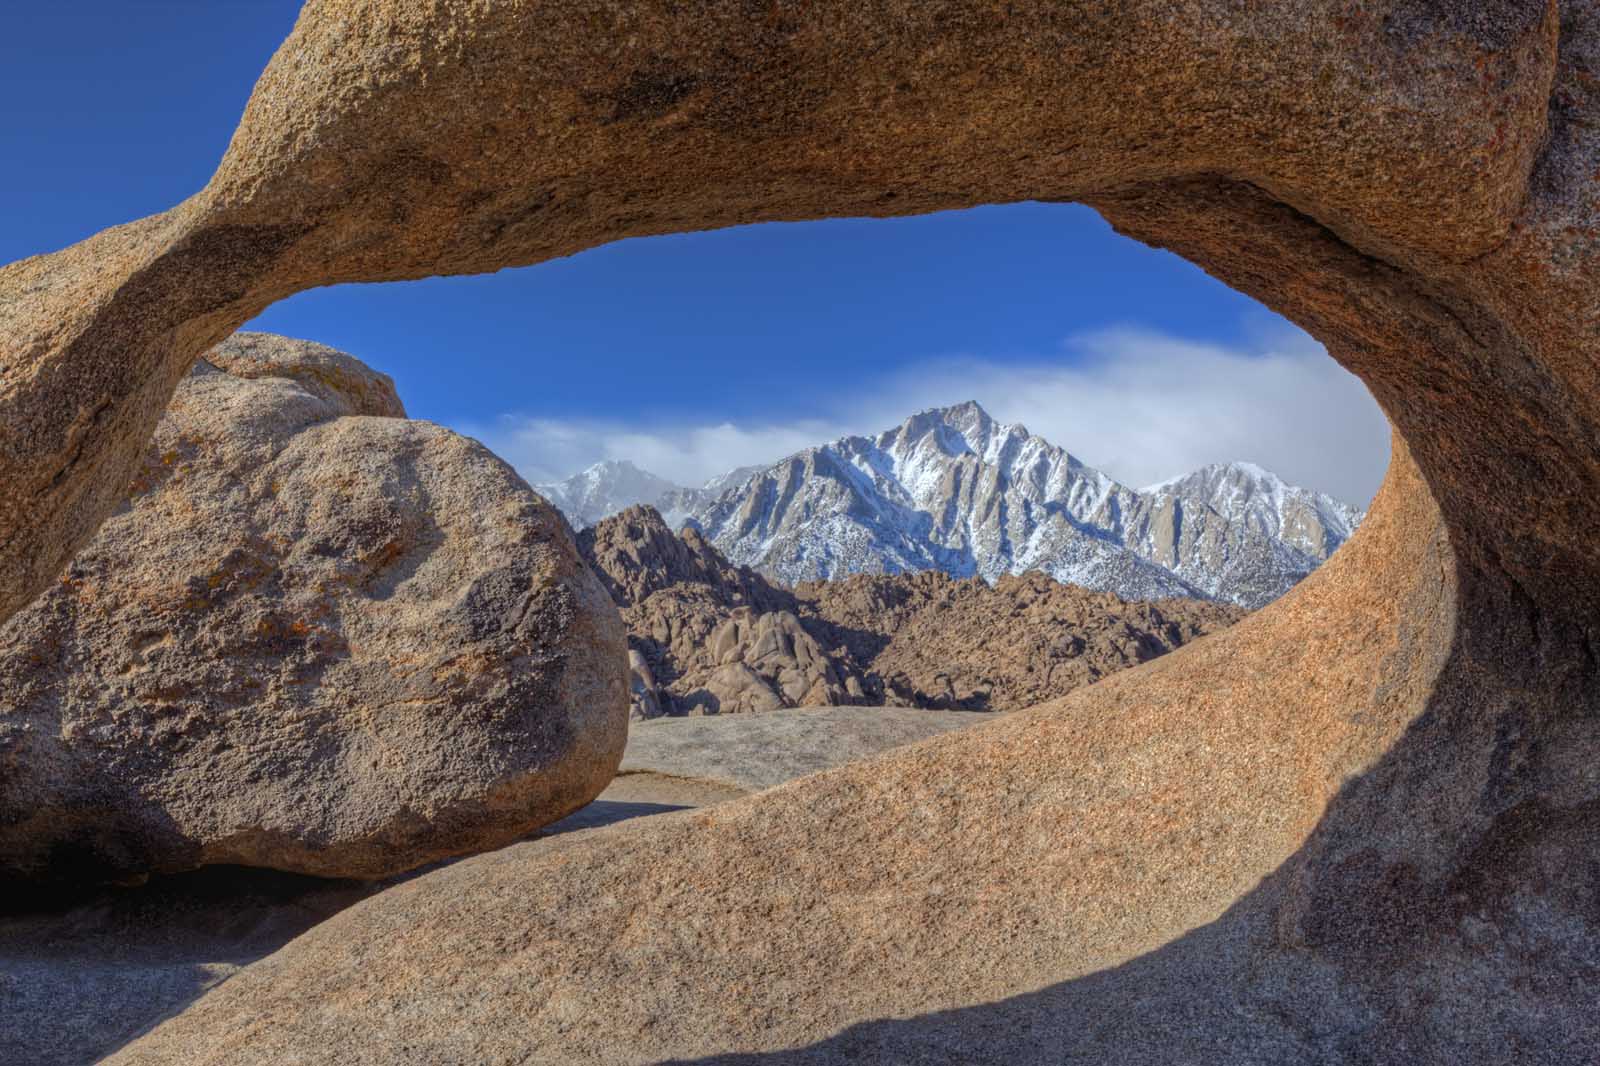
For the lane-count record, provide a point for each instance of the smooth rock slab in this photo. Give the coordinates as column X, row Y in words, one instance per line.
column 81, row 977
column 315, row 639
column 756, row 751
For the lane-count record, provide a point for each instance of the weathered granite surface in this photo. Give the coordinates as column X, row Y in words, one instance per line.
column 320, row 637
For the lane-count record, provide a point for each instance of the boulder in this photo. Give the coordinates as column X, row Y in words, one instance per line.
column 318, row 637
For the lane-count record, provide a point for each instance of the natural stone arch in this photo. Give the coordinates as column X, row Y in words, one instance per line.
column 1411, row 180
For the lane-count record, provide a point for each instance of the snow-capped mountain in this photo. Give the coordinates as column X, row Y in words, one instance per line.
column 614, row 485
column 681, row 504
column 954, row 490
column 1311, row 522
column 1237, row 532
column 604, row 489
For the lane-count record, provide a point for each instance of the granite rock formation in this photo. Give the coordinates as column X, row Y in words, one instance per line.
column 930, row 640
column 319, row 637
column 1357, row 825
column 708, row 637
column 705, row 637
column 82, row 975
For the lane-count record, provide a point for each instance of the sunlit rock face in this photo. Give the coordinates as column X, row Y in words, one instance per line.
column 1357, row 825
column 319, row 637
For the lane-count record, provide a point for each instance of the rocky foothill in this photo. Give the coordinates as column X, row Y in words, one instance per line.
column 708, row 637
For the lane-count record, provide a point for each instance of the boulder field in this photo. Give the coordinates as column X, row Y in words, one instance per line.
column 1357, row 826
column 708, row 637
column 319, row 637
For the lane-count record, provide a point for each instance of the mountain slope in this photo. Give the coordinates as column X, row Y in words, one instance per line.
column 614, row 485
column 604, row 489
column 954, row 490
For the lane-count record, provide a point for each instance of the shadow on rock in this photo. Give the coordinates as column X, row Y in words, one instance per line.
column 83, row 977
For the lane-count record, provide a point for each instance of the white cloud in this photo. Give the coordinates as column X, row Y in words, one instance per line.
column 1140, row 405
column 1144, row 406
column 549, row 449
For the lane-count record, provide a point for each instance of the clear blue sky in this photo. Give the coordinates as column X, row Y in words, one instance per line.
column 111, row 111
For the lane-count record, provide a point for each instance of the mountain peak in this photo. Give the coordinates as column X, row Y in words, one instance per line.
column 1213, row 473
column 958, row 428
column 602, row 489
column 969, row 414
column 965, row 411
column 1250, row 470
column 615, row 466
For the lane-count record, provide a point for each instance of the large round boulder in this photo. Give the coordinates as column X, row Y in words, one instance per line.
column 319, row 637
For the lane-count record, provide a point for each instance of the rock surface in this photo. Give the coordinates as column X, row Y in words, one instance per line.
column 707, row 637
column 320, row 638
column 1357, row 825
column 1143, row 875
column 81, row 977
column 756, row 751
column 930, row 640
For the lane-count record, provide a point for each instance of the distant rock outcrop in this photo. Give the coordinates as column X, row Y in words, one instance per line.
column 708, row 637
column 314, row 639
column 930, row 640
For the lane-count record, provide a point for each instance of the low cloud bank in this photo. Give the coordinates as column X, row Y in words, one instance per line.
column 1140, row 405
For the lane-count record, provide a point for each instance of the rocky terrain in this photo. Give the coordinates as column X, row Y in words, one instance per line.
column 319, row 637
column 930, row 640
column 1357, row 826
column 87, row 970
column 951, row 489
column 708, row 637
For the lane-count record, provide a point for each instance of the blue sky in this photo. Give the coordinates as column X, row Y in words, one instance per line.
column 699, row 351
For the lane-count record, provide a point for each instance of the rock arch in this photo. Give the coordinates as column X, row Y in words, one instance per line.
column 1398, row 750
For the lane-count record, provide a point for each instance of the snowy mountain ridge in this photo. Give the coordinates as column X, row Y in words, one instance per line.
column 952, row 489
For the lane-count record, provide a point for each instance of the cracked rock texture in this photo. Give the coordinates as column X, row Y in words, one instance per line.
column 1357, row 826
column 319, row 637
